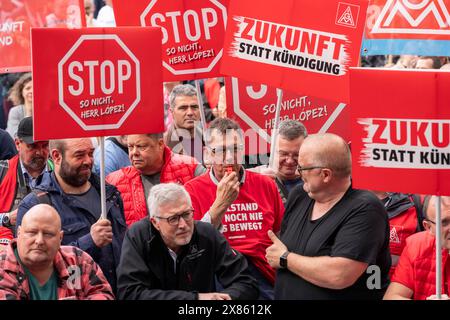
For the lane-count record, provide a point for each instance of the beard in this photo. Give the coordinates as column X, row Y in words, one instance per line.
column 73, row 176
column 36, row 164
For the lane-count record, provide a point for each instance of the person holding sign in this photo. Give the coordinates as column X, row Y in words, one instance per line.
column 334, row 241
column 415, row 275
column 169, row 256
column 244, row 205
column 37, row 267
column 74, row 192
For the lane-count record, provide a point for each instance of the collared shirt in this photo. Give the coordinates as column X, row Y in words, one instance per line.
column 29, row 180
column 174, row 257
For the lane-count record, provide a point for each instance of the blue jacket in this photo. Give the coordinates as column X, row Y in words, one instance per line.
column 77, row 221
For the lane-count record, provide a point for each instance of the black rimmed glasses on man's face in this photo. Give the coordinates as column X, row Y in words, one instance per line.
column 174, row 220
column 300, row 168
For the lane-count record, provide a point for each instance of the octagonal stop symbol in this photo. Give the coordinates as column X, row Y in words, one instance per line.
column 193, row 33
column 99, row 81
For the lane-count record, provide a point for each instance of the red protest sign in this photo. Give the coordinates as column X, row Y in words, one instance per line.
column 401, row 137
column 193, row 33
column 301, row 46
column 254, row 106
column 16, row 19
column 97, row 82
column 389, row 19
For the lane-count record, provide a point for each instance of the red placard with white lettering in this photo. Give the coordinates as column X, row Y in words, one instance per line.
column 254, row 106
column 97, row 82
column 302, row 46
column 18, row 17
column 401, row 136
column 193, row 33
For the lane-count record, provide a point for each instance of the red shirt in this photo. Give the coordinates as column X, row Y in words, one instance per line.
column 257, row 210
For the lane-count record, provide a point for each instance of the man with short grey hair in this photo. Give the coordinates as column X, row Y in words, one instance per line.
column 169, row 256
column 184, row 136
column 290, row 137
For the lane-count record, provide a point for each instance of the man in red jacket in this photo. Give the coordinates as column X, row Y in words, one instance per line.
column 415, row 275
column 152, row 162
column 19, row 175
column 244, row 205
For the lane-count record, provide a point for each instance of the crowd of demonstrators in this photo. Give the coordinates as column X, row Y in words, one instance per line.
column 74, row 191
column 415, row 275
column 19, row 175
column 152, row 162
column 243, row 204
column 331, row 233
column 405, row 218
column 37, row 267
column 116, row 155
column 21, row 95
column 290, row 137
column 184, row 135
column 169, row 256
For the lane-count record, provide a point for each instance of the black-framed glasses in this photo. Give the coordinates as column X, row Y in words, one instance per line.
column 174, row 220
column 444, row 223
column 300, row 168
column 218, row 151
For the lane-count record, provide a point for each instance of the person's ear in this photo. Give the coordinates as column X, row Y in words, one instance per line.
column 17, row 143
column 155, row 223
column 427, row 226
column 61, row 235
column 327, row 174
column 56, row 156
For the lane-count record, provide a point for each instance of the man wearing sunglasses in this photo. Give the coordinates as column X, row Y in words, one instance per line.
column 331, row 233
column 169, row 256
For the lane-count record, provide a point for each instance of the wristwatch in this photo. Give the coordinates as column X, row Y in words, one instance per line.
column 283, row 260
column 6, row 222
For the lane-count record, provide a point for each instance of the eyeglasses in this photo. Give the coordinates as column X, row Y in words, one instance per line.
column 221, row 150
column 300, row 168
column 445, row 223
column 175, row 219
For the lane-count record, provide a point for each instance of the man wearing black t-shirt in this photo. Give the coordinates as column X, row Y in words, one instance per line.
column 334, row 241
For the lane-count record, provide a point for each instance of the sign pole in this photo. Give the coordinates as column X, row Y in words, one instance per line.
column 102, row 178
column 274, row 134
column 201, row 107
column 438, row 249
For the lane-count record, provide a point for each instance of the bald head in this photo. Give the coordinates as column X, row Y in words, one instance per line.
column 330, row 151
column 42, row 212
column 430, row 206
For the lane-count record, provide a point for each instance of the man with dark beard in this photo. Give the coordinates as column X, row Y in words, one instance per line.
column 75, row 193
column 19, row 175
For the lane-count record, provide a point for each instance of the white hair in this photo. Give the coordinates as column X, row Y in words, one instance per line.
column 165, row 193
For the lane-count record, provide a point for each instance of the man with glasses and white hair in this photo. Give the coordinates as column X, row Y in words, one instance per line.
column 171, row 257
column 333, row 237
column 243, row 204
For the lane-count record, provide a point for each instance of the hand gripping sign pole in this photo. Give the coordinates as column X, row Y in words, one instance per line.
column 201, row 107
column 438, row 249
column 274, row 134
column 102, row 178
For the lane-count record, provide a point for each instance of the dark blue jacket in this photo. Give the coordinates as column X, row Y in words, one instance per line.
column 77, row 221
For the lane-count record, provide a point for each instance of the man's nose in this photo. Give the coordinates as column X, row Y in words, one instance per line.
column 39, row 238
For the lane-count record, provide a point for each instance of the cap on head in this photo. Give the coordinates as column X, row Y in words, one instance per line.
column 25, row 130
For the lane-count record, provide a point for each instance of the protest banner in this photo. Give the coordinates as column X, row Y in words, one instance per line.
column 192, row 33
column 407, row 27
column 302, row 46
column 401, row 130
column 254, row 106
column 19, row 16
column 97, row 82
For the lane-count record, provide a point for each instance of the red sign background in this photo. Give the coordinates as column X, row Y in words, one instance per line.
column 401, row 136
column 97, row 82
column 16, row 19
column 254, row 105
column 193, row 33
column 301, row 46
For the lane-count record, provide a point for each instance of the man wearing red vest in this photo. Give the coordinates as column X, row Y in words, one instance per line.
column 19, row 175
column 152, row 162
column 415, row 275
